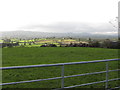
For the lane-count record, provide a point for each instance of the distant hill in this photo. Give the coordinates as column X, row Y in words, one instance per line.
column 36, row 34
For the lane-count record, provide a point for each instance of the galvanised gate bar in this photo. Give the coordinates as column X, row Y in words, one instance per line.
column 62, row 73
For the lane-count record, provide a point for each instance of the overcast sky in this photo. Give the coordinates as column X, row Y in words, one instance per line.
column 59, row 15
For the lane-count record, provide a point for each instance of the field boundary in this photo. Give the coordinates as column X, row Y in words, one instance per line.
column 62, row 73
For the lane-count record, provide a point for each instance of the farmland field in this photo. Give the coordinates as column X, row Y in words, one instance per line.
column 48, row 55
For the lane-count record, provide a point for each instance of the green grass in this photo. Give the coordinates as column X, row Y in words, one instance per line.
column 48, row 55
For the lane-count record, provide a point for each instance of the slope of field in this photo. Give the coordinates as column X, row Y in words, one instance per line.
column 46, row 55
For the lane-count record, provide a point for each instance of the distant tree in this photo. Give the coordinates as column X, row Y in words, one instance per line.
column 24, row 43
column 89, row 40
column 52, row 45
column 95, row 44
column 114, row 45
column 107, row 43
column 29, row 43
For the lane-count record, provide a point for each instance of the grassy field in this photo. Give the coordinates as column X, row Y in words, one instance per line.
column 47, row 55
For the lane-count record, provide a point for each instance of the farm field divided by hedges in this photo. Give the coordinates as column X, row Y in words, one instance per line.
column 47, row 55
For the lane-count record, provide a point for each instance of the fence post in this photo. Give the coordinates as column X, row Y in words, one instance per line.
column 106, row 75
column 62, row 75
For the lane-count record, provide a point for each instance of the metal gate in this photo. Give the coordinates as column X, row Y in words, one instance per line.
column 62, row 73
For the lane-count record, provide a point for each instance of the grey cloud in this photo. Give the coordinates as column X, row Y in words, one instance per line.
column 73, row 27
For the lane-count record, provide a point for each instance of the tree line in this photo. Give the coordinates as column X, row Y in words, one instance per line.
column 107, row 43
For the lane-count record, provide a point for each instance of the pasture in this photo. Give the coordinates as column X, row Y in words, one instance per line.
column 47, row 55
